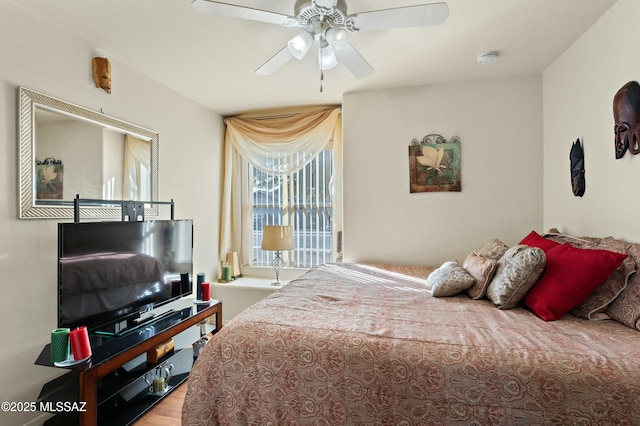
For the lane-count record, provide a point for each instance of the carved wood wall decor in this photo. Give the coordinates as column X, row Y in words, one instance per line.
column 102, row 73
column 626, row 116
column 576, row 161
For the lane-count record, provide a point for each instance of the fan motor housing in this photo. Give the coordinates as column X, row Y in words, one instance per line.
column 306, row 12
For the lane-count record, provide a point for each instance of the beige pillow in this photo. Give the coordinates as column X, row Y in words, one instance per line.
column 626, row 307
column 482, row 269
column 449, row 280
column 518, row 270
column 493, row 249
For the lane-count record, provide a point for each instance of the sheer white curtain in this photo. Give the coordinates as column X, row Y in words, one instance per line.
column 137, row 163
column 278, row 143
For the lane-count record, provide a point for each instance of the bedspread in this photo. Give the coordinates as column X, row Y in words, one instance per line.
column 355, row 344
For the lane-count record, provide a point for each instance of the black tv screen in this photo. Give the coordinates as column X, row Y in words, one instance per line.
column 110, row 272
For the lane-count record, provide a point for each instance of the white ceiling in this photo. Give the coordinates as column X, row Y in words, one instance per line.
column 211, row 59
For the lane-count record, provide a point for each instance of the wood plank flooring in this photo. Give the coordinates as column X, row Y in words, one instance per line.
column 167, row 412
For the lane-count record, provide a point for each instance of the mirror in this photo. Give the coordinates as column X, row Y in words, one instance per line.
column 67, row 150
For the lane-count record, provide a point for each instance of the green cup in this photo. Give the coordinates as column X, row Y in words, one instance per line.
column 59, row 344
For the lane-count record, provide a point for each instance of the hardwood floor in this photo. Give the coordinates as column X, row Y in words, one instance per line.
column 166, row 413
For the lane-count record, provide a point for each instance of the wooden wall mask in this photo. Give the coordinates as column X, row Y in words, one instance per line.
column 102, row 73
column 576, row 160
column 626, row 115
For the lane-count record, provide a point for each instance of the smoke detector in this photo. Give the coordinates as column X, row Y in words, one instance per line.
column 487, row 58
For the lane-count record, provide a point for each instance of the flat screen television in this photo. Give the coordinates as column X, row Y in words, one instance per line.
column 110, row 274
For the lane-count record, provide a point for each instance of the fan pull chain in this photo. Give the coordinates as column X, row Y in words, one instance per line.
column 321, row 79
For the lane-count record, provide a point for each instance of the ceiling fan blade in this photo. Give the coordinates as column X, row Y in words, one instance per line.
column 411, row 16
column 353, row 60
column 240, row 12
column 276, row 62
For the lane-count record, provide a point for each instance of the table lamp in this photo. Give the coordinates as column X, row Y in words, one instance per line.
column 278, row 239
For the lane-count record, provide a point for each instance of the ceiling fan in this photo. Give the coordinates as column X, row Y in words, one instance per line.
column 327, row 22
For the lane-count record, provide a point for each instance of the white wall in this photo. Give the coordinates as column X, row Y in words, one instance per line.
column 578, row 93
column 40, row 57
column 113, row 166
column 79, row 146
column 500, row 127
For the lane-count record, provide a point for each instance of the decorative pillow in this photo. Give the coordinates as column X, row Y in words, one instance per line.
column 449, row 280
column 493, row 249
column 571, row 274
column 594, row 307
column 482, row 269
column 518, row 269
column 626, row 307
column 536, row 240
column 580, row 242
column 415, row 271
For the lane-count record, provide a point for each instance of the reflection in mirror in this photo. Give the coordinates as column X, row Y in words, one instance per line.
column 67, row 150
column 101, row 163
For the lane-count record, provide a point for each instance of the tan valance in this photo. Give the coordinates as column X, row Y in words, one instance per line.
column 284, row 144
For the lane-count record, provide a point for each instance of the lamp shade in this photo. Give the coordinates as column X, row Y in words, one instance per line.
column 277, row 238
column 337, row 38
column 300, row 45
column 327, row 58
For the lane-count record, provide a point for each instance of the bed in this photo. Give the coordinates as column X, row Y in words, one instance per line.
column 370, row 345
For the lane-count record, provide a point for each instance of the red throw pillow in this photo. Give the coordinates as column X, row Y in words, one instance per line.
column 569, row 276
column 535, row 240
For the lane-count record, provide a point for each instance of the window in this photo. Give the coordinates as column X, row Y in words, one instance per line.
column 302, row 199
column 294, row 160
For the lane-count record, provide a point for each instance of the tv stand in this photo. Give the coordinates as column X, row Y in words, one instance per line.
column 113, row 396
column 132, row 325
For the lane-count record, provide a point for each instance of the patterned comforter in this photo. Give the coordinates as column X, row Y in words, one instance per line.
column 355, row 344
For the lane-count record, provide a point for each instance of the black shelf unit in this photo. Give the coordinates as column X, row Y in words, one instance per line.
column 113, row 395
column 123, row 397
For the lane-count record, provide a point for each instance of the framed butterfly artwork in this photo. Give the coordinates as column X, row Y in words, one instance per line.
column 49, row 178
column 434, row 164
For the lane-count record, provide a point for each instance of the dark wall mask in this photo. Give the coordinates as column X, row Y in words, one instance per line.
column 626, row 115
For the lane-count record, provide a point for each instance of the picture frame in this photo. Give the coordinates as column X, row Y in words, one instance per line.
column 49, row 179
column 434, row 164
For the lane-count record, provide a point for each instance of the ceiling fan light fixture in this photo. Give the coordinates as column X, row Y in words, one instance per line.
column 327, row 58
column 337, row 38
column 329, row 23
column 300, row 45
